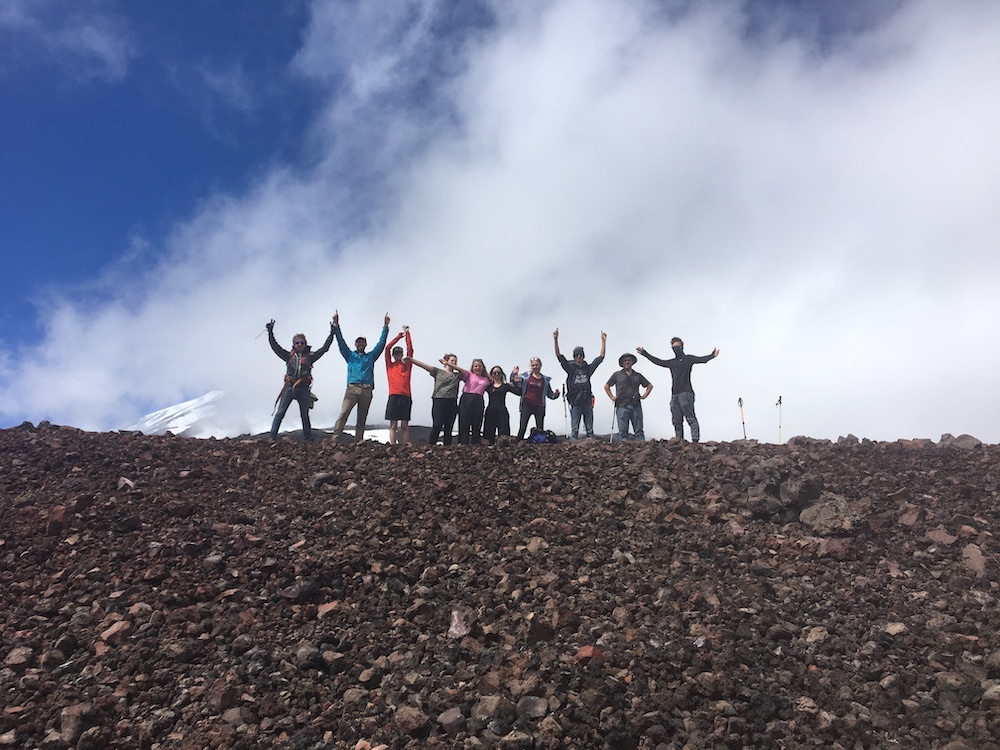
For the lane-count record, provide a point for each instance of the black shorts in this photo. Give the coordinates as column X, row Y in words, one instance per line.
column 397, row 408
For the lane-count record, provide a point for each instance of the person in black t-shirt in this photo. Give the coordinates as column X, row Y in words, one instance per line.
column 628, row 402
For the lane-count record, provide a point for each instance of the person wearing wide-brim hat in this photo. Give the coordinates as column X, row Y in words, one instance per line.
column 627, row 400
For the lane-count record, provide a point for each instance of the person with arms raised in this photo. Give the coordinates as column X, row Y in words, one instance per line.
column 400, row 403
column 360, row 377
column 298, row 378
column 579, row 394
column 681, row 391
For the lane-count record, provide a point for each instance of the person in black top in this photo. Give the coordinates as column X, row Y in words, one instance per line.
column 579, row 395
column 682, row 394
column 497, row 419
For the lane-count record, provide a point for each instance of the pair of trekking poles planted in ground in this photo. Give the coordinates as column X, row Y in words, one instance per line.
column 744, row 422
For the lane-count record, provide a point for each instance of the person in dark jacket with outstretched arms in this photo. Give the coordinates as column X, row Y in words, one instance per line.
column 681, row 393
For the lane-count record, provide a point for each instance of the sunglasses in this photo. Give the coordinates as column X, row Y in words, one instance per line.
column 298, row 343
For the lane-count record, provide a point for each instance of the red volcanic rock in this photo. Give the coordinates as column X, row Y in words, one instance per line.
column 167, row 592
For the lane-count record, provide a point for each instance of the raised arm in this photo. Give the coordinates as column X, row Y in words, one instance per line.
column 651, row 358
column 555, row 341
column 381, row 342
column 345, row 352
column 326, row 345
column 388, row 349
column 275, row 347
column 604, row 344
column 409, row 341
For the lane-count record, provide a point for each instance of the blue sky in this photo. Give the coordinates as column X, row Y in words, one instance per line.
column 810, row 187
column 124, row 136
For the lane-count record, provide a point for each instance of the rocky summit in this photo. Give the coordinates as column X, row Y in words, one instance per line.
column 165, row 592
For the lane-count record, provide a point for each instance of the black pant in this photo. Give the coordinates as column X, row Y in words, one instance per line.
column 526, row 413
column 470, row 418
column 443, row 413
column 496, row 422
column 300, row 394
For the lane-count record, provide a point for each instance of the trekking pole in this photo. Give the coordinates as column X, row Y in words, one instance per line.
column 740, row 402
column 613, row 413
column 779, row 419
column 260, row 334
column 565, row 410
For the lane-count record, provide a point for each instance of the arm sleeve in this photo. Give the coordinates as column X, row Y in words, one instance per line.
column 388, row 350
column 323, row 349
column 342, row 345
column 654, row 360
column 276, row 348
column 380, row 346
column 548, row 389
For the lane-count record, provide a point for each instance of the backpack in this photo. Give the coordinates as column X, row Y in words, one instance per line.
column 542, row 436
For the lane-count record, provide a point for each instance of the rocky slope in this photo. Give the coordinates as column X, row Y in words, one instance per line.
column 169, row 592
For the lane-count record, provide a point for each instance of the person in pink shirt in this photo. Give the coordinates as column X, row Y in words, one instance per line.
column 472, row 405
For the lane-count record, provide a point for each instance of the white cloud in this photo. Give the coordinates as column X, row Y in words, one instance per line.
column 83, row 40
column 825, row 217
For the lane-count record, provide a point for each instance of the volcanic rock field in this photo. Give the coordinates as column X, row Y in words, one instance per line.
column 166, row 592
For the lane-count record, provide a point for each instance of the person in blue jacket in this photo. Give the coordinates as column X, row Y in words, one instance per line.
column 360, row 377
column 535, row 388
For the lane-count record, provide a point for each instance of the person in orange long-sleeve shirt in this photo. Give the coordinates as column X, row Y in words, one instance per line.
column 400, row 403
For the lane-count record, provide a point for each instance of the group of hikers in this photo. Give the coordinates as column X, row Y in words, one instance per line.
column 481, row 408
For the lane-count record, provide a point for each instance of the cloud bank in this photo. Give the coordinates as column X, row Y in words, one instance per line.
column 819, row 204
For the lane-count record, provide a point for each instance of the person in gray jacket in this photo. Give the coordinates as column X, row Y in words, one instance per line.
column 298, row 378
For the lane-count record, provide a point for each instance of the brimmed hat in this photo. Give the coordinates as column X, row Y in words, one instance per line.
column 627, row 355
